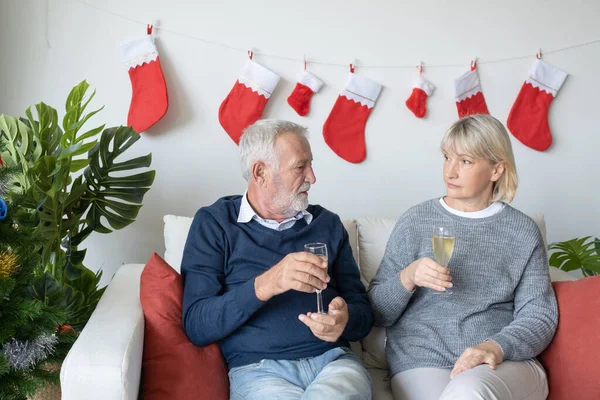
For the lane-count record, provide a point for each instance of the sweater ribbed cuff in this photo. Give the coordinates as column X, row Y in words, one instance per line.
column 246, row 300
column 352, row 331
column 504, row 342
column 393, row 294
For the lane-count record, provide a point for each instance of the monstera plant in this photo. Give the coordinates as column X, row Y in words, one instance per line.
column 73, row 183
column 577, row 254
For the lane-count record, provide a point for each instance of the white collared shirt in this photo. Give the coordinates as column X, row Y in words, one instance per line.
column 248, row 214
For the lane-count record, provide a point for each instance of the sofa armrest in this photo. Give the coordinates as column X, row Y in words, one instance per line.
column 106, row 360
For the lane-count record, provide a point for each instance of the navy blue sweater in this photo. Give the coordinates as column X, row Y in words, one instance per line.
column 220, row 262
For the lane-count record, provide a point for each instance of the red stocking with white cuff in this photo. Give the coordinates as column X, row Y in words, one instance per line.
column 344, row 129
column 149, row 99
column 528, row 118
column 245, row 103
column 306, row 87
column 468, row 95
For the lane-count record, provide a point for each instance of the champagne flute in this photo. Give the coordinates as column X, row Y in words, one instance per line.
column 320, row 249
column 443, row 247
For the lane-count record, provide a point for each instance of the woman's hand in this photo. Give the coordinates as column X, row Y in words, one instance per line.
column 485, row 353
column 425, row 272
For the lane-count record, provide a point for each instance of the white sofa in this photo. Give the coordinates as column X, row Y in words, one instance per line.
column 105, row 362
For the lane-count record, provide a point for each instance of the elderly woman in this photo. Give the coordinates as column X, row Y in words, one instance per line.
column 479, row 341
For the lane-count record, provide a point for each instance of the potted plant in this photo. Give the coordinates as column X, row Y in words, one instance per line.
column 577, row 254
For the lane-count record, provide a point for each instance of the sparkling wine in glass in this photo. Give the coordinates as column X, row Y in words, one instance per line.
column 443, row 247
column 320, row 249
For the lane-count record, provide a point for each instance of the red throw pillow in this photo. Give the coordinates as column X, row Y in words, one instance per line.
column 172, row 366
column 571, row 360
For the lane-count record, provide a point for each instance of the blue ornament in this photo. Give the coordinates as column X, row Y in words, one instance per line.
column 3, row 209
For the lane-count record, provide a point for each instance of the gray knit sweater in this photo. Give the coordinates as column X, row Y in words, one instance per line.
column 502, row 290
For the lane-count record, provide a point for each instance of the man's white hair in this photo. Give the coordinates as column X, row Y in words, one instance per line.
column 258, row 143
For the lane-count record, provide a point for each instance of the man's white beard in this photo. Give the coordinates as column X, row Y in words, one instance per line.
column 290, row 205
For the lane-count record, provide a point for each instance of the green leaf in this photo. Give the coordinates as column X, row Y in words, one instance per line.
column 578, row 253
column 43, row 287
column 76, row 126
column 89, row 134
column 69, row 151
column 19, row 147
column 77, row 190
column 77, row 165
column 115, row 198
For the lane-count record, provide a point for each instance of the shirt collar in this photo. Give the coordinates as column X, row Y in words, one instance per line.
column 247, row 213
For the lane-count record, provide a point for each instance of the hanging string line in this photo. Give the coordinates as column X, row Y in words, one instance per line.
column 345, row 64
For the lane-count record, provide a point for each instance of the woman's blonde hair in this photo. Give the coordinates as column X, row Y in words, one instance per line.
column 483, row 136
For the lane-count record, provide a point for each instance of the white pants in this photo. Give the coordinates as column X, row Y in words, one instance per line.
column 512, row 380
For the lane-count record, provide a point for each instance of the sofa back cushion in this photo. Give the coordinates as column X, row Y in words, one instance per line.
column 175, row 232
column 177, row 227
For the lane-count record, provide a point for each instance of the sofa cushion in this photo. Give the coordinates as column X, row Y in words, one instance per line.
column 570, row 360
column 172, row 366
column 350, row 225
column 175, row 233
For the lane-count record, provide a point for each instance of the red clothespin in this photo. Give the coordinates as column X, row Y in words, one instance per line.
column 304, row 58
column 474, row 64
column 149, row 29
column 420, row 68
column 538, row 55
column 250, row 53
column 352, row 65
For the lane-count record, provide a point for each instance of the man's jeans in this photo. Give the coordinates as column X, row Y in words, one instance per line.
column 336, row 374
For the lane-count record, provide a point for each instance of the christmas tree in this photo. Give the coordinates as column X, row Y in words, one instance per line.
column 29, row 338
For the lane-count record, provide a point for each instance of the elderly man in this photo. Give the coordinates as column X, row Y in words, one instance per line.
column 249, row 284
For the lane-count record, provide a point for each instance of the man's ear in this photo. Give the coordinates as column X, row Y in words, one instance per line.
column 259, row 173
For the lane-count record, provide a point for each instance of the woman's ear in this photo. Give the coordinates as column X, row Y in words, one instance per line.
column 498, row 170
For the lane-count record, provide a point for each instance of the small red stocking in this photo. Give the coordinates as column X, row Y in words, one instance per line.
column 307, row 85
column 422, row 89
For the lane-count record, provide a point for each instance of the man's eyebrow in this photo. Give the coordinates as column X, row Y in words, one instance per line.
column 301, row 161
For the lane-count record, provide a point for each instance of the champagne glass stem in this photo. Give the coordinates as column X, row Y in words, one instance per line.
column 320, row 303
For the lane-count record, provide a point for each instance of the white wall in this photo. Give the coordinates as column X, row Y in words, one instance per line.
column 195, row 160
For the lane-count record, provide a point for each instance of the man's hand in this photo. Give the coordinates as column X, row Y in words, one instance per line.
column 301, row 271
column 328, row 327
column 425, row 272
column 485, row 353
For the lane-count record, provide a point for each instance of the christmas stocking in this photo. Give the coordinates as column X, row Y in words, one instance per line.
column 246, row 101
column 468, row 95
column 528, row 118
column 344, row 129
column 416, row 103
column 307, row 85
column 149, row 101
